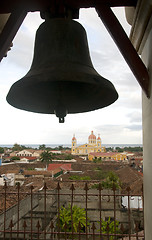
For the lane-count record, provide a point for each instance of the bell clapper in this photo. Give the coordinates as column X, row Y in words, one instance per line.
column 61, row 120
column 60, row 112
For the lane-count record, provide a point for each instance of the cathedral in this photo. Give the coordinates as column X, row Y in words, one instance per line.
column 93, row 145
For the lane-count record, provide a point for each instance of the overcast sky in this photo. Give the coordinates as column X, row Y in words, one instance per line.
column 117, row 123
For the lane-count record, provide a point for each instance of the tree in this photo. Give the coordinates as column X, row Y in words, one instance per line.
column 78, row 217
column 42, row 147
column 109, row 149
column 1, row 150
column 46, row 156
column 16, row 147
column 15, row 158
column 68, row 156
column 60, row 147
column 111, row 180
column 97, row 160
column 118, row 149
column 76, row 177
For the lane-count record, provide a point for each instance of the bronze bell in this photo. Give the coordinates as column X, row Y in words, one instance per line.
column 62, row 78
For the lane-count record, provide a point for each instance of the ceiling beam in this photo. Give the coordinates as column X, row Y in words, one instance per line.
column 10, row 29
column 7, row 6
column 125, row 46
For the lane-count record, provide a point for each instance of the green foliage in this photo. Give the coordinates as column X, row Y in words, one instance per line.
column 111, row 180
column 95, row 186
column 69, row 157
column 97, row 160
column 76, row 177
column 100, row 174
column 1, row 150
column 42, row 147
column 23, row 147
column 17, row 147
column 109, row 149
column 15, row 158
column 98, row 168
column 46, row 156
column 31, row 169
column 59, row 156
column 78, row 216
column 118, row 149
column 60, row 147
column 129, row 149
column 110, row 227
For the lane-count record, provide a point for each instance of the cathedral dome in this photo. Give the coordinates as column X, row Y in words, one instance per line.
column 92, row 136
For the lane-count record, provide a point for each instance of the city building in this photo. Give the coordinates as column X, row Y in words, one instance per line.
column 107, row 156
column 93, row 145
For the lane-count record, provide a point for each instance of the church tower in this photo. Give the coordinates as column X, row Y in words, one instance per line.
column 98, row 141
column 74, row 145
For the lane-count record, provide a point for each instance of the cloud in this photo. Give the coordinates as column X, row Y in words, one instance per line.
column 21, row 54
column 134, row 127
column 135, row 116
column 120, row 134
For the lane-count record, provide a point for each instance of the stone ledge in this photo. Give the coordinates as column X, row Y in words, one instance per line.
column 141, row 24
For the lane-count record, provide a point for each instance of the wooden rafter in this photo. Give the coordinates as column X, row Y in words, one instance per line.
column 10, row 29
column 7, row 6
column 125, row 46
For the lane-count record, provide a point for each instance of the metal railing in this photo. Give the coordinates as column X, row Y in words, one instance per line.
column 37, row 214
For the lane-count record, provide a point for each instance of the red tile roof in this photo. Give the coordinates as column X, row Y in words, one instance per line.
column 103, row 154
column 29, row 158
column 65, row 166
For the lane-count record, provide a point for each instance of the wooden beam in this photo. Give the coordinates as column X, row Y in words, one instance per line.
column 125, row 46
column 7, row 6
column 10, row 29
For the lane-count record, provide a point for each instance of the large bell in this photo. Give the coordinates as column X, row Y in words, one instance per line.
column 62, row 78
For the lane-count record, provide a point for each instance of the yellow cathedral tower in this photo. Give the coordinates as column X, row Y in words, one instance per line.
column 93, row 145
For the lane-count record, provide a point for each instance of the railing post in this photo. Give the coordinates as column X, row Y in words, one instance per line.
column 38, row 230
column 5, row 187
column 114, row 199
column 86, row 198
column 18, row 208
column 72, row 192
column 24, row 227
column 58, row 196
column 31, row 211
column 100, row 208
column 129, row 220
column 45, row 188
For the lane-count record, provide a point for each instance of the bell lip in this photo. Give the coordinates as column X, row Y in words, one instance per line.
column 18, row 98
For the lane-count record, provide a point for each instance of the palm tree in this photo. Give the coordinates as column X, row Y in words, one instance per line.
column 46, row 156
